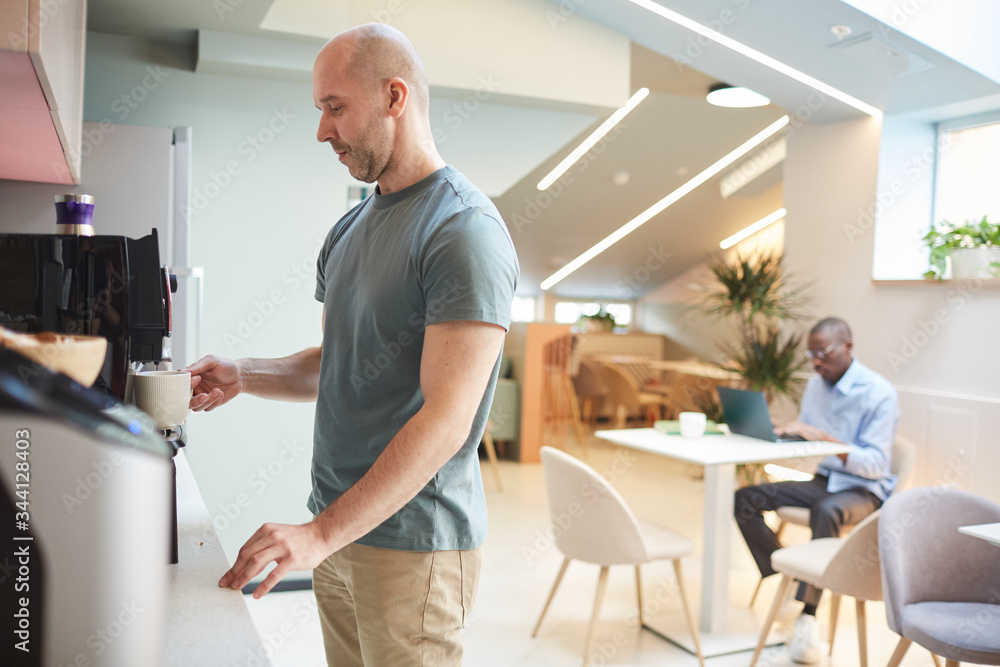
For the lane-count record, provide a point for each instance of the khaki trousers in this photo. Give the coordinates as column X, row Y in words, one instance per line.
column 387, row 608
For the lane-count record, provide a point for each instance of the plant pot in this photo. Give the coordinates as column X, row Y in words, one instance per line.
column 973, row 262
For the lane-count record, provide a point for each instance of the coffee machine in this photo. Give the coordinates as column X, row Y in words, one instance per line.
column 110, row 286
column 86, row 503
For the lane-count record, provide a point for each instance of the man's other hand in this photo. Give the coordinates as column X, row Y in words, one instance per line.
column 291, row 547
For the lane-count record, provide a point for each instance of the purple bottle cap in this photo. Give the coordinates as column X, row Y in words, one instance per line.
column 75, row 214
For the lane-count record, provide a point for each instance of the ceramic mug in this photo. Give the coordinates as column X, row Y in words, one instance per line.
column 164, row 396
column 692, row 424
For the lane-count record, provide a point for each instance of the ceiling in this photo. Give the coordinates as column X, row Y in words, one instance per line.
column 668, row 138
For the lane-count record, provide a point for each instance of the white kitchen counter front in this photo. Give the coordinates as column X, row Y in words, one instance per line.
column 205, row 625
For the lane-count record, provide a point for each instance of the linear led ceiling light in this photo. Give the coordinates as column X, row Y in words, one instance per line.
column 753, row 54
column 752, row 229
column 661, row 205
column 594, row 137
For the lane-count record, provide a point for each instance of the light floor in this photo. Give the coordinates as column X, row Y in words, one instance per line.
column 520, row 564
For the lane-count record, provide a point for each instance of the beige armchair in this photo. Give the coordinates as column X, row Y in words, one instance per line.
column 597, row 526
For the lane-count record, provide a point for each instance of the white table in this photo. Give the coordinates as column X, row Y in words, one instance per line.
column 719, row 455
column 984, row 531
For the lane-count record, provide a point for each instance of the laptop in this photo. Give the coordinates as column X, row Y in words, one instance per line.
column 746, row 414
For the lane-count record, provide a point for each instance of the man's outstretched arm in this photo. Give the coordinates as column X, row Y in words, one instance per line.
column 216, row 380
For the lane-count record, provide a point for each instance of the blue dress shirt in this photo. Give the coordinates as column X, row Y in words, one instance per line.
column 861, row 410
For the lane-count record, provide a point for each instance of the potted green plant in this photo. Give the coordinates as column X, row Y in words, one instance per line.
column 972, row 249
column 601, row 321
column 757, row 293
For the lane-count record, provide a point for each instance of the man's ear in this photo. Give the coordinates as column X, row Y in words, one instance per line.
column 399, row 96
column 849, row 345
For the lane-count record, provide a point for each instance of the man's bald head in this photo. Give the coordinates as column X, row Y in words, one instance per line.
column 376, row 53
column 832, row 327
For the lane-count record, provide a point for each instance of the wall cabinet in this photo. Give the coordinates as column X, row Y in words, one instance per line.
column 41, row 78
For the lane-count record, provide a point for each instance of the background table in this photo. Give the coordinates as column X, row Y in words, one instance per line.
column 984, row 531
column 719, row 455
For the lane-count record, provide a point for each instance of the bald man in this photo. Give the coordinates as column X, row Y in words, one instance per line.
column 844, row 402
column 416, row 283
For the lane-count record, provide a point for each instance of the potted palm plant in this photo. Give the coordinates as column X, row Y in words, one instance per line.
column 972, row 249
column 764, row 304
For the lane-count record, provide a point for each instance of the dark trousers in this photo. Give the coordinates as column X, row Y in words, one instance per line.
column 827, row 513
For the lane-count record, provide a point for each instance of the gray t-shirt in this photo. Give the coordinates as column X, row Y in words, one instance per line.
column 436, row 251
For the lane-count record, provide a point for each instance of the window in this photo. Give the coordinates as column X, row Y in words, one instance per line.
column 523, row 309
column 966, row 171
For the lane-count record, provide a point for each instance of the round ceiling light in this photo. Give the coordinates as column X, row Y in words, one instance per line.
column 724, row 95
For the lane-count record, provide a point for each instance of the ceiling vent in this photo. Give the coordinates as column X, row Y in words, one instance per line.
column 879, row 55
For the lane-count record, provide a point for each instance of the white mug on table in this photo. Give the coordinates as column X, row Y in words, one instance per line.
column 692, row 424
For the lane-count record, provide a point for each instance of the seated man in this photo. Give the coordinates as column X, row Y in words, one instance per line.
column 844, row 402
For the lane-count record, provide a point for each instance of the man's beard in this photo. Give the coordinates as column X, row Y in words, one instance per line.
column 370, row 153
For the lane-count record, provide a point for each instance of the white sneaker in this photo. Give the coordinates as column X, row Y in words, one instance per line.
column 805, row 642
column 792, row 609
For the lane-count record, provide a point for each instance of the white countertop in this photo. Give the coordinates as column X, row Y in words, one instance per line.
column 710, row 450
column 205, row 624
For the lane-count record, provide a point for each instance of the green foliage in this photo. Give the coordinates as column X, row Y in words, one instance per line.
column 946, row 236
column 770, row 360
column 752, row 287
column 602, row 320
column 708, row 402
column 758, row 294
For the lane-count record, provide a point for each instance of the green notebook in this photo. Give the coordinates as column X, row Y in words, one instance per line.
column 673, row 427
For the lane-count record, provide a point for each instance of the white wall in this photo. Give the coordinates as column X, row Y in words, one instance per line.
column 933, row 342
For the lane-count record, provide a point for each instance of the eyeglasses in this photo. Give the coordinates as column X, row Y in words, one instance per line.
column 824, row 353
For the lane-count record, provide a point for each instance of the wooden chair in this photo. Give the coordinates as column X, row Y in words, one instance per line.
column 627, row 398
